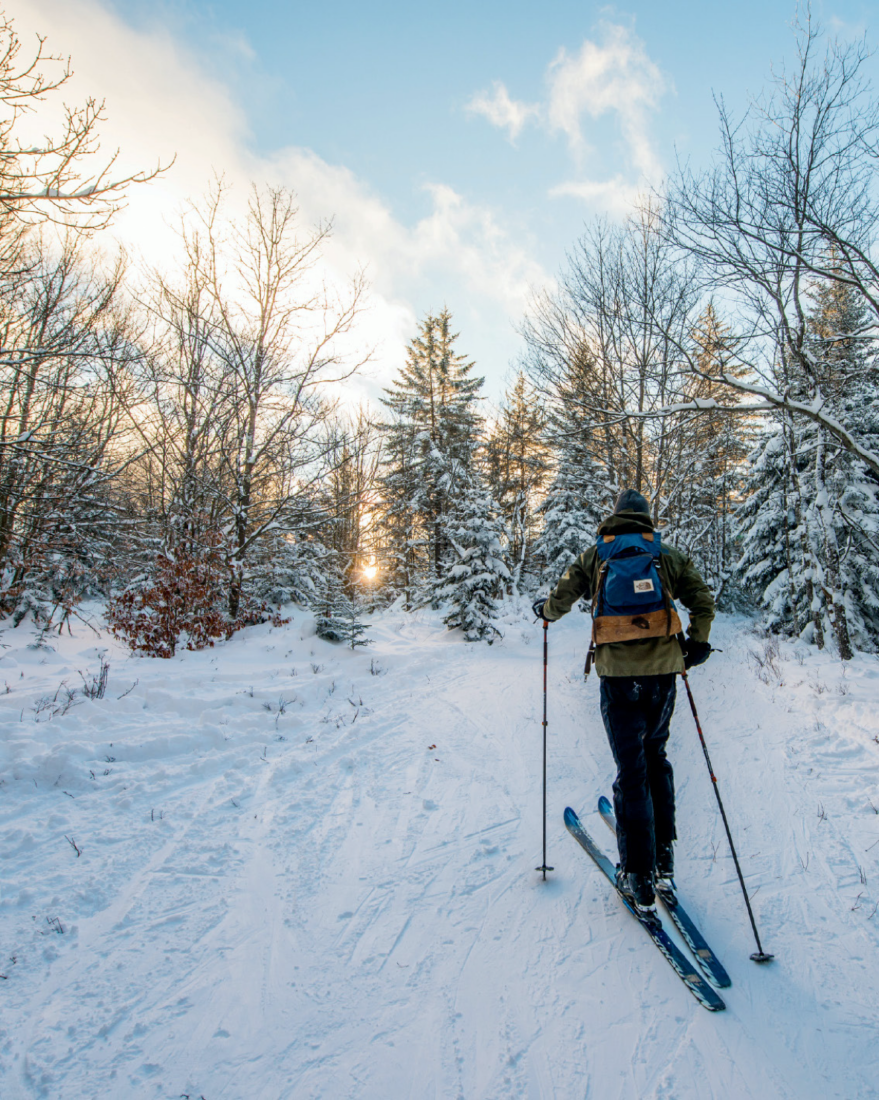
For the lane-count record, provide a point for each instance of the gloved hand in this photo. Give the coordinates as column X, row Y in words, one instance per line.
column 695, row 653
column 537, row 608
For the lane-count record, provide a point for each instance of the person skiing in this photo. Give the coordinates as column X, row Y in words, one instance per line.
column 639, row 648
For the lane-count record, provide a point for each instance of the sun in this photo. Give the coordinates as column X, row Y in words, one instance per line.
column 369, row 571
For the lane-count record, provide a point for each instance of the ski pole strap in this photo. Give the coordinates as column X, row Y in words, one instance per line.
column 602, row 571
column 590, row 658
column 546, row 658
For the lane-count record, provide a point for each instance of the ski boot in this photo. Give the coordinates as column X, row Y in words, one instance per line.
column 637, row 889
column 665, row 867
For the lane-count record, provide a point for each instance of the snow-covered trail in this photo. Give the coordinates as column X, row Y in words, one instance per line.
column 307, row 872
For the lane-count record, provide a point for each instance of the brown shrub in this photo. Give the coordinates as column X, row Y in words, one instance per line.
column 182, row 603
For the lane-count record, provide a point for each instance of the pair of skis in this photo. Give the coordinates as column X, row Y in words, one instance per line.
column 708, row 962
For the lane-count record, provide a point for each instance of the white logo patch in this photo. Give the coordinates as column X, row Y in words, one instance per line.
column 643, row 586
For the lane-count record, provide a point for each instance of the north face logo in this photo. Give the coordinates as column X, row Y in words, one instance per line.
column 643, row 586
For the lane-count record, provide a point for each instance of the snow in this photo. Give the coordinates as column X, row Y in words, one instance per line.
column 309, row 872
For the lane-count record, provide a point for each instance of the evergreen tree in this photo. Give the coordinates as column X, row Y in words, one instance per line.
column 517, row 464
column 476, row 574
column 402, row 545
column 842, row 350
column 810, row 524
column 770, row 568
column 295, row 568
column 842, row 515
column 581, row 494
column 858, row 539
column 340, row 618
column 707, row 453
column 577, row 501
column 430, row 448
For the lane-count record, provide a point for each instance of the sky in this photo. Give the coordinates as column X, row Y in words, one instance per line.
column 459, row 149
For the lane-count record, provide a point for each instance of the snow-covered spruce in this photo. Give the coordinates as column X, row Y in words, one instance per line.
column 475, row 574
column 516, row 465
column 769, row 534
column 430, row 447
column 579, row 498
column 341, row 619
column 809, row 523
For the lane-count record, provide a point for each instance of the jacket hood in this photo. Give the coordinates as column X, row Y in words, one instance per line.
column 624, row 523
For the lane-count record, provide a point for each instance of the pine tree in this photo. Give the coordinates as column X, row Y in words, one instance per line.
column 842, row 514
column 295, row 568
column 581, row 493
column 516, row 467
column 402, row 544
column 707, row 453
column 340, row 619
column 858, row 539
column 577, row 501
column 476, row 574
column 770, row 569
column 430, row 448
column 810, row 524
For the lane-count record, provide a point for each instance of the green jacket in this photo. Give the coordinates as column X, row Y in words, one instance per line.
column 653, row 656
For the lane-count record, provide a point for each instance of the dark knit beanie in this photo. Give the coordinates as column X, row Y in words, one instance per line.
column 631, row 501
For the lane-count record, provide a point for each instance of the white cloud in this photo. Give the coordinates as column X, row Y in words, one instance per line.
column 846, row 30
column 617, row 196
column 614, row 77
column 161, row 103
column 458, row 240
column 501, row 111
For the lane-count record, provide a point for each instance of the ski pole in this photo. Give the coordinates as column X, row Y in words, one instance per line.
column 544, row 867
column 759, row 956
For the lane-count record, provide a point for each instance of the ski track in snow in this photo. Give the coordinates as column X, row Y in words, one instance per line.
column 286, row 891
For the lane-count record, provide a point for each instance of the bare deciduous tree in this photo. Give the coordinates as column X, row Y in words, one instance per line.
column 610, row 352
column 67, row 388
column 249, row 341
column 792, row 203
column 791, row 197
column 54, row 179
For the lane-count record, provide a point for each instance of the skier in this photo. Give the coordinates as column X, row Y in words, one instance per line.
column 639, row 648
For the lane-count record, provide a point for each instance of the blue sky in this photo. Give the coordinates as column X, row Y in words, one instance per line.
column 461, row 146
column 383, row 88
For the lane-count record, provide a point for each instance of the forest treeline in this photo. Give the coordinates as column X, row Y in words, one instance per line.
column 171, row 443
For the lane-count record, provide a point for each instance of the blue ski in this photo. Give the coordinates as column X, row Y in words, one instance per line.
column 693, row 938
column 694, row 981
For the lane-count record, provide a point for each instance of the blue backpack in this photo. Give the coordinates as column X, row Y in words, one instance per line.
column 630, row 601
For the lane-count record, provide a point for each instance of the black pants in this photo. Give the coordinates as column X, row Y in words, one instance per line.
column 636, row 712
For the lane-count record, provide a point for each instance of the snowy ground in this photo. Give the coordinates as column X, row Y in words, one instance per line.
column 307, row 872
